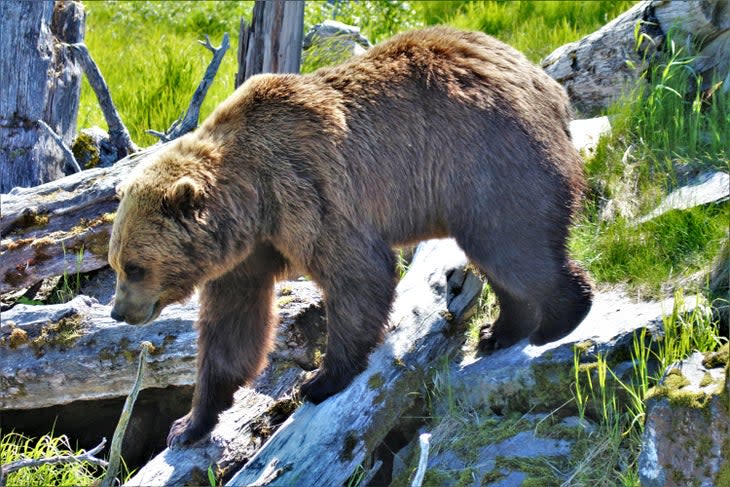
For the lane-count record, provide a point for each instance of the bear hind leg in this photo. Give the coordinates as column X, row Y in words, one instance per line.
column 539, row 296
column 566, row 305
column 517, row 317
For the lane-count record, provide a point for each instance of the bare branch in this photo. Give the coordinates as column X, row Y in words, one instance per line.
column 88, row 456
column 68, row 155
column 207, row 44
column 189, row 121
column 118, row 134
column 115, row 454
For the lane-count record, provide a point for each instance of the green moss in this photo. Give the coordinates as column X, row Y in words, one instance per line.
column 466, row 477
column 284, row 300
column 539, row 472
column 376, row 381
column 672, row 388
column 62, row 333
column 436, row 476
column 706, row 380
column 85, row 151
column 30, row 221
column 17, row 337
column 492, row 476
column 106, row 354
column 675, row 379
column 719, row 358
column 493, row 429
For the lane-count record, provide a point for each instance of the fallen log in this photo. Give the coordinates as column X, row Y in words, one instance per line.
column 57, row 354
column 61, row 226
column 436, row 294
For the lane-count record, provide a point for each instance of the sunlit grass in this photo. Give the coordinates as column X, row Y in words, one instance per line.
column 535, row 28
column 14, row 447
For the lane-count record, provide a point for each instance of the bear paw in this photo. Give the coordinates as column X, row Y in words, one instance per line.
column 492, row 338
column 186, row 431
column 322, row 386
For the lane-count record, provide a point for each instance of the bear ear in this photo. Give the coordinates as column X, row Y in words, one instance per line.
column 184, row 198
column 121, row 190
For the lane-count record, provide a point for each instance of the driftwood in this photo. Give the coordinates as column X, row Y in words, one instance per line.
column 322, row 445
column 272, row 43
column 599, row 68
column 40, row 82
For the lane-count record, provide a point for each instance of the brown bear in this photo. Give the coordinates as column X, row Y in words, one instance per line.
column 433, row 133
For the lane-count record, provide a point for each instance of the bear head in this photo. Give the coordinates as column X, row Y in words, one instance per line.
column 167, row 235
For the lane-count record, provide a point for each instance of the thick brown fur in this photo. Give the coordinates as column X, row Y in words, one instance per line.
column 434, row 133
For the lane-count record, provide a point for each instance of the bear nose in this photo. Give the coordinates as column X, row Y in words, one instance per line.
column 116, row 316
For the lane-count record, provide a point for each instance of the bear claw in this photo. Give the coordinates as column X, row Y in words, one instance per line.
column 185, row 432
column 321, row 387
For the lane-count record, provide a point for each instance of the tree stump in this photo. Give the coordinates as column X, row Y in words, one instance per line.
column 272, row 43
column 41, row 81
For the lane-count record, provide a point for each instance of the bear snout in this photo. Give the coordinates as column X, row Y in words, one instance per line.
column 116, row 316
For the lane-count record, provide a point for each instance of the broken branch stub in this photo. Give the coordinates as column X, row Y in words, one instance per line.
column 189, row 120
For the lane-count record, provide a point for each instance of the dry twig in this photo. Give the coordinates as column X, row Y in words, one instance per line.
column 88, row 456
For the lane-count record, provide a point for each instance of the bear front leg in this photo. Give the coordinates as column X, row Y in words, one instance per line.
column 236, row 326
column 358, row 279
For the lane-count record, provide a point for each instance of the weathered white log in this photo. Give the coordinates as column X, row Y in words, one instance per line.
column 599, row 68
column 189, row 120
column 324, row 444
column 56, row 354
column 46, row 227
column 118, row 133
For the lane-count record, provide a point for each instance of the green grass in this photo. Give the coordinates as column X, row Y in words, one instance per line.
column 665, row 131
column 151, row 60
column 535, row 28
column 14, row 446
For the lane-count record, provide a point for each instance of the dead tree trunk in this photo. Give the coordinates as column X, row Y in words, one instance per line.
column 272, row 43
column 41, row 81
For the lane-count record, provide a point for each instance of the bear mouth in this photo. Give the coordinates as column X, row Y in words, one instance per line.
column 153, row 314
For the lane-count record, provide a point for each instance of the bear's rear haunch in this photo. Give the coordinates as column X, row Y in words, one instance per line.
column 434, row 133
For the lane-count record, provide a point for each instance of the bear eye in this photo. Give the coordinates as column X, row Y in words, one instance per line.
column 134, row 272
